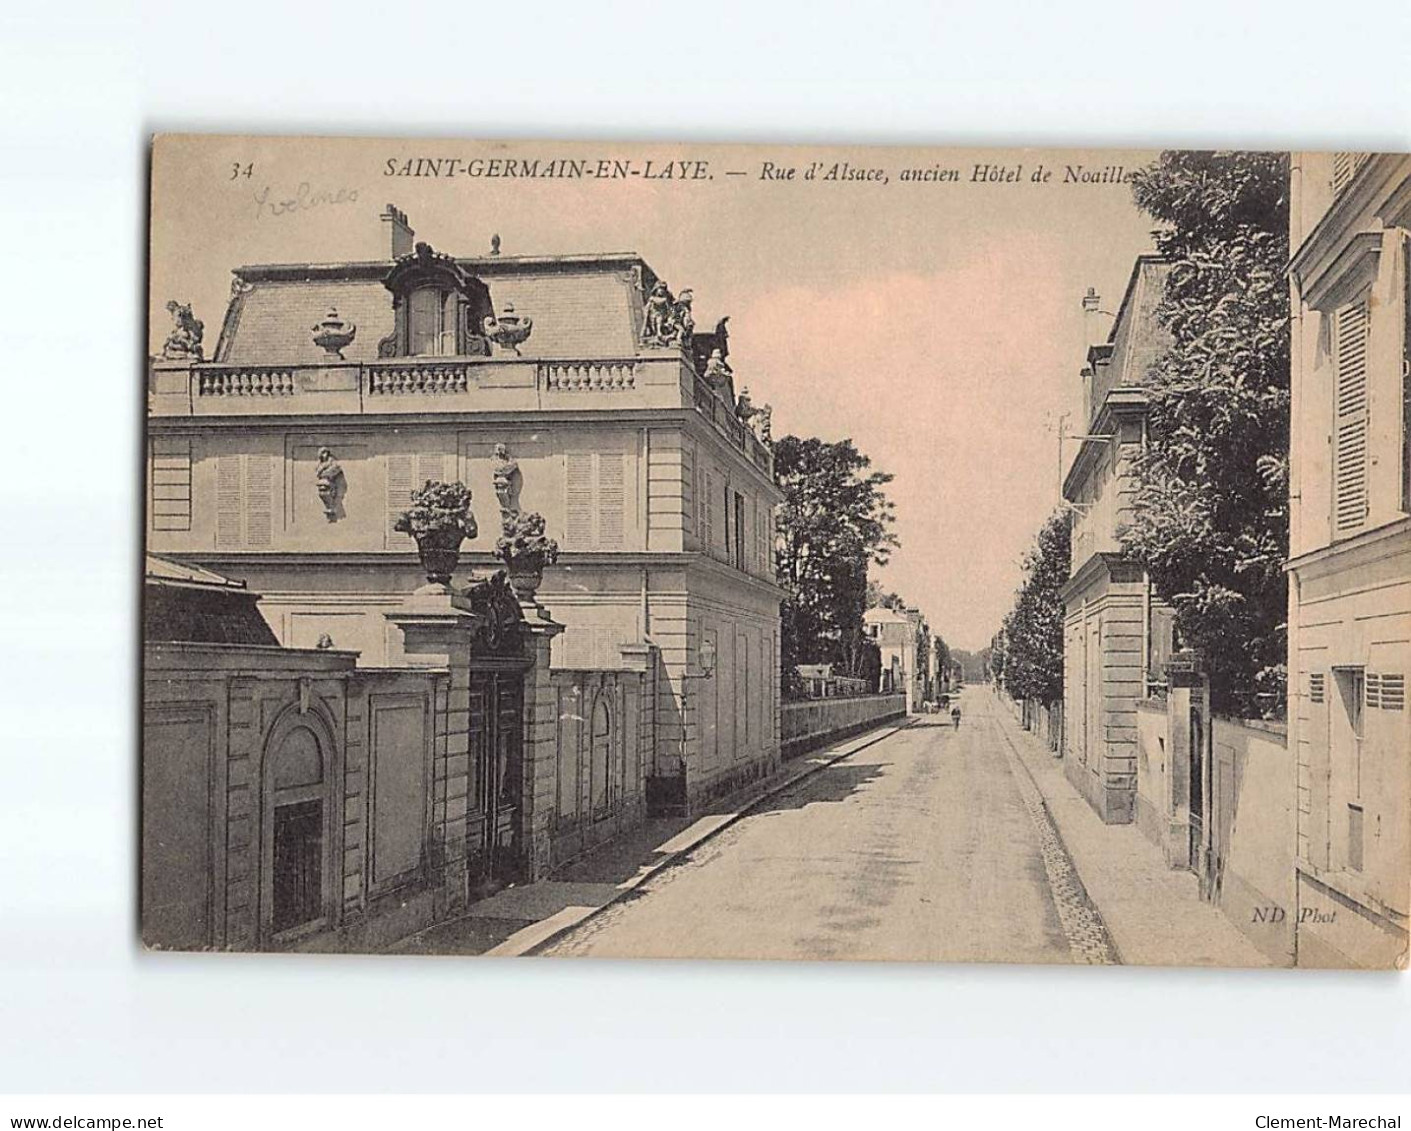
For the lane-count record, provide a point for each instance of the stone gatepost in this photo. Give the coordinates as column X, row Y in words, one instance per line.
column 1187, row 709
column 438, row 629
column 540, row 756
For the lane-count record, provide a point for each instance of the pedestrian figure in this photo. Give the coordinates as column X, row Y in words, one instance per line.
column 955, row 716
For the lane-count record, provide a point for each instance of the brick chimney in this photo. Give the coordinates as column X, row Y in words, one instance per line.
column 1092, row 320
column 400, row 232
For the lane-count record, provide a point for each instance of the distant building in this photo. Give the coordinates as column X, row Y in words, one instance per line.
column 1117, row 635
column 899, row 637
column 1350, row 555
column 820, row 681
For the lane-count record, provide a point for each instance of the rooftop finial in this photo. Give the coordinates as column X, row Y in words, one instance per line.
column 495, row 244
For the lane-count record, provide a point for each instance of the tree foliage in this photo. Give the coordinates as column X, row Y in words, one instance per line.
column 1030, row 660
column 1210, row 514
column 834, row 522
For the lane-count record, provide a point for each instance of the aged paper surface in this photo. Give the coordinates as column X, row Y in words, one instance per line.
column 695, row 551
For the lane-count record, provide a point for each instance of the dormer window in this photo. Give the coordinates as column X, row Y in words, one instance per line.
column 439, row 307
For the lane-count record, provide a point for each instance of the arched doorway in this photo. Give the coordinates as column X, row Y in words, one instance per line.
column 295, row 833
column 600, row 757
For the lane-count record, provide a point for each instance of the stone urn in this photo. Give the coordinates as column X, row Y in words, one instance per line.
column 333, row 335
column 509, row 331
column 440, row 519
column 526, row 550
column 525, row 576
column 440, row 553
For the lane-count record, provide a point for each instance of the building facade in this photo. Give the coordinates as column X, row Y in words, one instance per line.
column 1117, row 635
column 572, row 386
column 1350, row 555
column 903, row 641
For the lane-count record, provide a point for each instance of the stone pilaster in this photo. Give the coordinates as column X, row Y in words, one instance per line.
column 438, row 633
column 1187, row 705
column 540, row 755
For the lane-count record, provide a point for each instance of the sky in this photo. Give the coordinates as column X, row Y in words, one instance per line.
column 938, row 324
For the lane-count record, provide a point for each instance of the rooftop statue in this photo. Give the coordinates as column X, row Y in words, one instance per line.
column 184, row 341
column 717, row 373
column 764, row 424
column 656, row 316
column 683, row 325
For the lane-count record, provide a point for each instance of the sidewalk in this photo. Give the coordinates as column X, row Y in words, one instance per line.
column 1153, row 913
column 526, row 918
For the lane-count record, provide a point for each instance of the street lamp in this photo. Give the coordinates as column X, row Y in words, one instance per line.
column 705, row 665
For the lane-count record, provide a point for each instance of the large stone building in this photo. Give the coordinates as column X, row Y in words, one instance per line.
column 1350, row 555
column 572, row 386
column 1117, row 635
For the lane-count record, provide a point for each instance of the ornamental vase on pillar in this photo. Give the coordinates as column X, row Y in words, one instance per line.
column 440, row 552
column 525, row 577
column 526, row 550
column 440, row 519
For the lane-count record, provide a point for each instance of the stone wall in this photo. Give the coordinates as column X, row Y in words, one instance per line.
column 812, row 723
column 1234, row 827
column 1252, row 819
column 604, row 742
column 215, row 717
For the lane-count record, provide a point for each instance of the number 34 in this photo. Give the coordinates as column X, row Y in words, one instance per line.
column 239, row 170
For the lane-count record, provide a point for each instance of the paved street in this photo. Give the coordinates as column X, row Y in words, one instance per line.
column 928, row 845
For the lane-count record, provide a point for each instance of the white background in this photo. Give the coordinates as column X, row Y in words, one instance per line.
column 81, row 87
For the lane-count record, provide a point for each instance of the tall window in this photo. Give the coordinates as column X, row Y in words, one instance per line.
column 1350, row 417
column 425, row 322
column 739, row 531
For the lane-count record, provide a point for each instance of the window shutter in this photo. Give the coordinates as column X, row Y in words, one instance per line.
column 761, row 519
column 259, row 501
column 1350, row 427
column 578, row 476
column 612, row 503
column 1373, row 690
column 400, row 485
column 228, row 509
column 430, row 466
column 708, row 525
column 244, row 502
column 1394, row 692
column 1315, row 687
column 697, row 501
column 1345, row 166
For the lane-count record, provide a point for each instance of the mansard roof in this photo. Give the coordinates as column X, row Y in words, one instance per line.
column 583, row 306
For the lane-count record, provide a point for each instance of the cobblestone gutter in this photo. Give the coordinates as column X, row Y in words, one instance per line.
column 1088, row 938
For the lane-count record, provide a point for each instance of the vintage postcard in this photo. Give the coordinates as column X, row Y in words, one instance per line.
column 707, row 551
